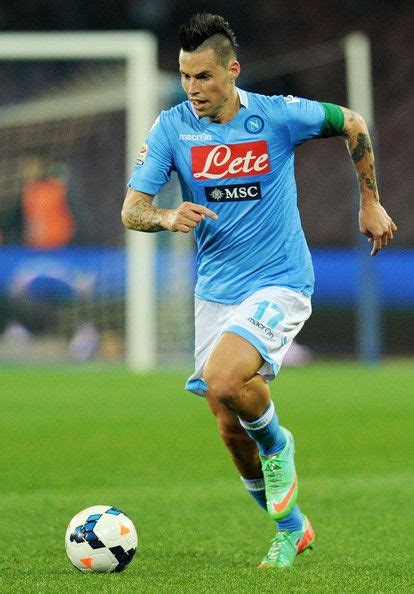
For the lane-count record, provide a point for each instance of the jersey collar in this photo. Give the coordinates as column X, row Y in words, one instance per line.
column 244, row 101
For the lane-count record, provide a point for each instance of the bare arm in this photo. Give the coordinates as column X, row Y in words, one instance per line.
column 139, row 214
column 374, row 221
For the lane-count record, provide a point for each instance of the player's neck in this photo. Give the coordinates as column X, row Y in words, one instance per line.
column 229, row 110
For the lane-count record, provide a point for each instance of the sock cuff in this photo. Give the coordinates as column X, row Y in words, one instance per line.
column 253, row 484
column 261, row 421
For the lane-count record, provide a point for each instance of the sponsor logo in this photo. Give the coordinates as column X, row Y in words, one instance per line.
column 254, row 124
column 233, row 193
column 233, row 160
column 261, row 327
column 142, row 155
column 291, row 99
column 196, row 137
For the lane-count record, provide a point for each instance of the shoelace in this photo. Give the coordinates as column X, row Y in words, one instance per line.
column 277, row 543
column 272, row 465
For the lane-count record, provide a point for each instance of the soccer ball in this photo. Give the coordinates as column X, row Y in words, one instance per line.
column 102, row 539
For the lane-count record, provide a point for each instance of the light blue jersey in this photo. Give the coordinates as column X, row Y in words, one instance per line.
column 243, row 171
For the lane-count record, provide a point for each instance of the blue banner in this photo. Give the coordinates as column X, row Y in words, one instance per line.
column 101, row 273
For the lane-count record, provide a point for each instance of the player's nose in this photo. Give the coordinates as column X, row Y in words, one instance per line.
column 193, row 88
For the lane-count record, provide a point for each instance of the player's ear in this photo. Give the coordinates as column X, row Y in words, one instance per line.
column 234, row 69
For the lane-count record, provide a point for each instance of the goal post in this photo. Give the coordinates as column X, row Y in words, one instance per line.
column 139, row 50
column 357, row 51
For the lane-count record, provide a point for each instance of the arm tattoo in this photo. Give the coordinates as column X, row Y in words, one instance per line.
column 142, row 216
column 368, row 179
column 362, row 148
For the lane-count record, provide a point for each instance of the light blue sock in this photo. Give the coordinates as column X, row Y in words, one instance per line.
column 266, row 432
column 256, row 489
column 292, row 522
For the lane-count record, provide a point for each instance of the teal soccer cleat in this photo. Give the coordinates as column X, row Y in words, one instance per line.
column 286, row 546
column 280, row 478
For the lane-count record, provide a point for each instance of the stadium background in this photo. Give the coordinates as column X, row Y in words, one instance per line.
column 288, row 49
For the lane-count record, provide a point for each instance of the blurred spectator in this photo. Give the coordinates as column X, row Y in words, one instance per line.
column 44, row 286
column 48, row 221
column 45, row 293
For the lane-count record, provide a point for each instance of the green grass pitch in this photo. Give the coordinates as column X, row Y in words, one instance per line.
column 71, row 439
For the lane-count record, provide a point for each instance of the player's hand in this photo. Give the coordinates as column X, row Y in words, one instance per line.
column 377, row 225
column 186, row 217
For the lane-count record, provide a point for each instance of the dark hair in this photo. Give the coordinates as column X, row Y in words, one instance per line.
column 205, row 30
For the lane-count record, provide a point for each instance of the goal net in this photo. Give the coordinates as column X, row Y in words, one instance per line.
column 72, row 120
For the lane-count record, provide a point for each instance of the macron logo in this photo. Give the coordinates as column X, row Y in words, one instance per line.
column 196, row 137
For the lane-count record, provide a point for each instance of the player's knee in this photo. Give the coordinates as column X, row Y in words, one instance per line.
column 222, row 388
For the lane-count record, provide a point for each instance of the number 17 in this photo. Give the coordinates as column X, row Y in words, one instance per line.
column 274, row 320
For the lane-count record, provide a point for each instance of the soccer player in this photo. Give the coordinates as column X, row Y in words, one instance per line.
column 234, row 151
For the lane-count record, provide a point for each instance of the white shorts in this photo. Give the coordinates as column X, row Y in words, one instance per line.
column 269, row 319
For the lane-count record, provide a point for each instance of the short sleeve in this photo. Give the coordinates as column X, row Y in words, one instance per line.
column 153, row 166
column 304, row 118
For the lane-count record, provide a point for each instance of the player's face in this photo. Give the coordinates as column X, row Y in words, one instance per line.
column 209, row 85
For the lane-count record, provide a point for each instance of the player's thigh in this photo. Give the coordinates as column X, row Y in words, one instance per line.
column 233, row 362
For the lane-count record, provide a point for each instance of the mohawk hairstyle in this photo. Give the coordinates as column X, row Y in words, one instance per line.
column 205, row 30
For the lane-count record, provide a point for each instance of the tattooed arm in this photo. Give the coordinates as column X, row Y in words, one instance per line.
column 138, row 214
column 374, row 221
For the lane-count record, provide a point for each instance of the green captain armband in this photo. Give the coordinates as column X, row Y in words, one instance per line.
column 333, row 124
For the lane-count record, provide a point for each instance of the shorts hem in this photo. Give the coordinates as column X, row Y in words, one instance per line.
column 197, row 386
column 256, row 342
